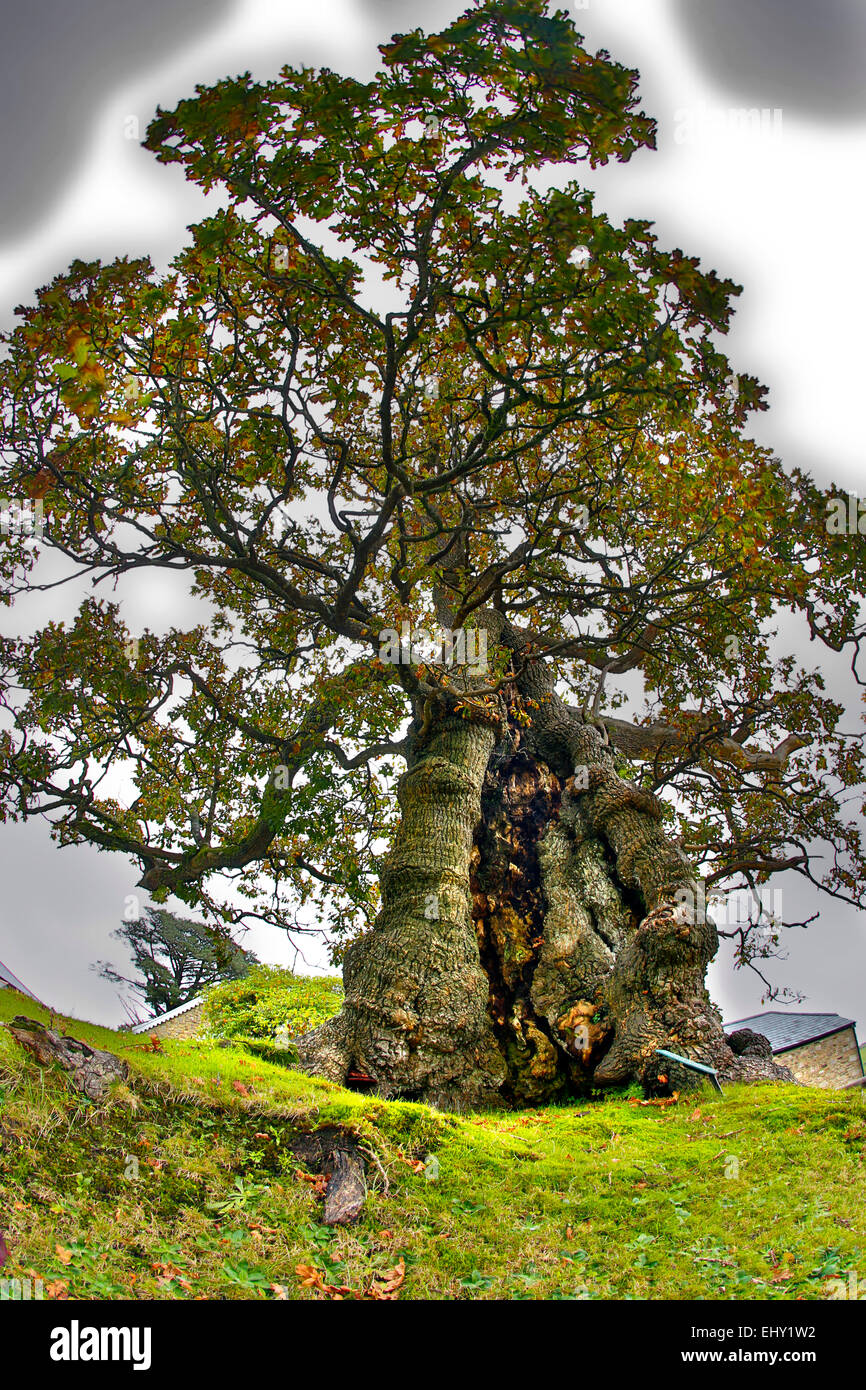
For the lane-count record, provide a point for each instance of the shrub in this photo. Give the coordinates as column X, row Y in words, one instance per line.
column 271, row 1002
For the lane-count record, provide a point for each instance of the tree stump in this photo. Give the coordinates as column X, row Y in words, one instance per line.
column 346, row 1191
column 90, row 1070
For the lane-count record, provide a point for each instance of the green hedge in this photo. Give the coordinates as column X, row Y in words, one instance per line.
column 272, row 1004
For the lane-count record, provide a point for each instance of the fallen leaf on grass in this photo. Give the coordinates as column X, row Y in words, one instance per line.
column 312, row 1278
column 385, row 1287
column 241, row 1089
column 57, row 1288
column 382, row 1288
column 316, row 1180
column 63, row 1255
column 416, row 1164
column 663, row 1101
column 167, row 1273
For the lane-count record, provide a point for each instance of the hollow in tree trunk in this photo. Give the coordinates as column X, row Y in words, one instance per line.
column 540, row 933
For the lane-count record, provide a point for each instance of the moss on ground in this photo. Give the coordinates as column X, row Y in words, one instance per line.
column 183, row 1187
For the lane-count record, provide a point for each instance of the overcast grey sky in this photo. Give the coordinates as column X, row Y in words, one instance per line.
column 778, row 209
column 803, row 55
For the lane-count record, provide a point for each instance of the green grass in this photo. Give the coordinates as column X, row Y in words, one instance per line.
column 181, row 1188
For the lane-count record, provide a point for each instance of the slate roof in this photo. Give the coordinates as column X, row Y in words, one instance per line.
column 172, row 1013
column 785, row 1031
column 7, row 978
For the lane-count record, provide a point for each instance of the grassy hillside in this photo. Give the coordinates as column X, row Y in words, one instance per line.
column 182, row 1188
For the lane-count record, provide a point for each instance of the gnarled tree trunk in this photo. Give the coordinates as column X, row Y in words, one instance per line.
column 540, row 933
column 416, row 1015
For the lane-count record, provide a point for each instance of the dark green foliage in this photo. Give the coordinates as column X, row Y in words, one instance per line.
column 175, row 959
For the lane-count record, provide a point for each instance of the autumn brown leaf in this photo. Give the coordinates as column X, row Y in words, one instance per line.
column 312, row 1278
column 316, row 1180
column 385, row 1287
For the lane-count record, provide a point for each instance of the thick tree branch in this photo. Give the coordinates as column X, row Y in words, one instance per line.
column 647, row 741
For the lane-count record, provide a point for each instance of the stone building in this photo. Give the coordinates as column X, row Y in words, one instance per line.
column 183, row 1022
column 820, row 1049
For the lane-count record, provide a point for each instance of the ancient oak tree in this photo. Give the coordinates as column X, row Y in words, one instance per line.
column 407, row 380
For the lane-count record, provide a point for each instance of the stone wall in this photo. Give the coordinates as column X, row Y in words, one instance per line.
column 829, row 1062
column 185, row 1025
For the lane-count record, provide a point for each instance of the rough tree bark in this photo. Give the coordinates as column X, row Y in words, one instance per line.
column 416, row 1009
column 540, row 933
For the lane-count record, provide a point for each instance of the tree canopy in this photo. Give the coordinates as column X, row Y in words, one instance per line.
column 174, row 959
column 411, row 372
